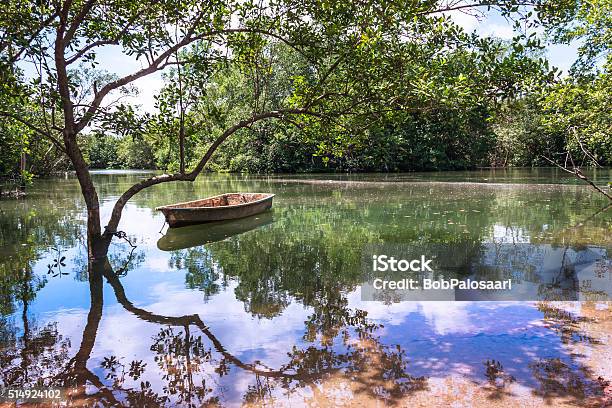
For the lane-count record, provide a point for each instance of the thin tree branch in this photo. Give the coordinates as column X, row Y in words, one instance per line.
column 584, row 150
column 579, row 174
column 35, row 34
column 34, row 128
column 113, row 41
column 78, row 19
column 471, row 5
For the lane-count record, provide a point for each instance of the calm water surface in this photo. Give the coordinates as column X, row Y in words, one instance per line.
column 269, row 310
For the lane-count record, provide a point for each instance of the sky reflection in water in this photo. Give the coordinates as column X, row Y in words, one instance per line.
column 283, row 298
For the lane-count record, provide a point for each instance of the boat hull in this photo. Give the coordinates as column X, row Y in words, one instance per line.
column 214, row 209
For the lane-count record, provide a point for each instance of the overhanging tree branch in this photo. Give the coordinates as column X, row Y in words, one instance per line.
column 113, row 41
column 161, row 62
column 113, row 223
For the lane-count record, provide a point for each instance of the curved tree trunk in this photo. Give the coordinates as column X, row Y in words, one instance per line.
column 97, row 245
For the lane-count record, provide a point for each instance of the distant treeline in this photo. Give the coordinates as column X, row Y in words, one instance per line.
column 517, row 132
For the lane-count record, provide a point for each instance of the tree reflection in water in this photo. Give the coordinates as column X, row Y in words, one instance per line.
column 271, row 269
column 189, row 366
column 30, row 359
column 191, row 358
column 557, row 378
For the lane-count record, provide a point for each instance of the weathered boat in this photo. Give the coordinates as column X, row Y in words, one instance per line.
column 203, row 234
column 223, row 207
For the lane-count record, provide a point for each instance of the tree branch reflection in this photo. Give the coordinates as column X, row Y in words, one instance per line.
column 374, row 368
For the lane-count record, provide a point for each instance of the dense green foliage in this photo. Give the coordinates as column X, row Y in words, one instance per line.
column 580, row 110
column 412, row 92
column 105, row 151
column 456, row 133
column 589, row 21
column 571, row 115
column 432, row 120
column 14, row 136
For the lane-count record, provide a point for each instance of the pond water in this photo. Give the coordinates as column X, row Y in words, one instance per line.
column 270, row 311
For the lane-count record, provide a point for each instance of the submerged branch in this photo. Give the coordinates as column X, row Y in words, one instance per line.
column 579, row 174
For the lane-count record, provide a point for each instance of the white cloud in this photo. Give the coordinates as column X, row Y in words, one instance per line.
column 496, row 30
column 148, row 87
column 443, row 317
column 467, row 21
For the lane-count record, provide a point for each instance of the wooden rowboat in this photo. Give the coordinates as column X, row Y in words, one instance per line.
column 229, row 206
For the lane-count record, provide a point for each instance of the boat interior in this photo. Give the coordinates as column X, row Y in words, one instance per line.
column 222, row 200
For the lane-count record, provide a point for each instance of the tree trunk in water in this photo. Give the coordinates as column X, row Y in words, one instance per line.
column 96, row 272
column 97, row 244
